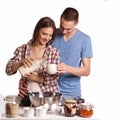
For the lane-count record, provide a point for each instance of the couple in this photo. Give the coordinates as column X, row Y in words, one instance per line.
column 66, row 46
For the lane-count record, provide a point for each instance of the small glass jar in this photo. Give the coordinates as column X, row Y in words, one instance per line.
column 70, row 108
column 11, row 107
column 86, row 110
column 79, row 101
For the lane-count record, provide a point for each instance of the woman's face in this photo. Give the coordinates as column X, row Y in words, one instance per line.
column 45, row 35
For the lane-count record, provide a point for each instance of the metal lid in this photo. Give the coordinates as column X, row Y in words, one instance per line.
column 80, row 100
column 86, row 106
column 70, row 101
column 10, row 98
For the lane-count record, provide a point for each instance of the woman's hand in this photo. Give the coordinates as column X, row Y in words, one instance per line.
column 27, row 62
column 22, row 88
column 35, row 77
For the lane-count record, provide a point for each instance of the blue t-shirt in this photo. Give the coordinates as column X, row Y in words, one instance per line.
column 71, row 53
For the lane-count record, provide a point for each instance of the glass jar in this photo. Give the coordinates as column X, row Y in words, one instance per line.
column 79, row 101
column 70, row 108
column 11, row 107
column 86, row 110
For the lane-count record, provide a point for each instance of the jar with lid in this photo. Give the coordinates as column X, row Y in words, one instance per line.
column 70, row 108
column 11, row 107
column 79, row 101
column 86, row 110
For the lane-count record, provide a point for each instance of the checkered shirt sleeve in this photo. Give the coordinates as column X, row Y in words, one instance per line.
column 20, row 53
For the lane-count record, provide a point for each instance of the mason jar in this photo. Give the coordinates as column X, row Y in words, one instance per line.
column 11, row 107
column 79, row 101
column 86, row 110
column 70, row 108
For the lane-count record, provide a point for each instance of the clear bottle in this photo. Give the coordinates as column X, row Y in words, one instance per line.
column 11, row 106
column 36, row 65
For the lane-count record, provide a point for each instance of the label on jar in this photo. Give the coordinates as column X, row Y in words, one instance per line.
column 70, row 108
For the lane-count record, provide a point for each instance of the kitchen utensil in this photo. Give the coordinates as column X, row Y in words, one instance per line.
column 40, row 98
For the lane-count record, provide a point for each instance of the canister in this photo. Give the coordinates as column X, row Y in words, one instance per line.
column 86, row 110
column 70, row 108
column 11, row 106
column 79, row 101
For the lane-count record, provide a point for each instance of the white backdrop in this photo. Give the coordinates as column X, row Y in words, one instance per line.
column 98, row 18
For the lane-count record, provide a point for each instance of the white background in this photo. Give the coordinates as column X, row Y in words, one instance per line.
column 98, row 18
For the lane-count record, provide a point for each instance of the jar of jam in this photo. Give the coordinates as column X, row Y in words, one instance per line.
column 86, row 110
column 70, row 108
column 11, row 107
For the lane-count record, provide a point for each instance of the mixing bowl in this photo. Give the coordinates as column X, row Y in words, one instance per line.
column 40, row 98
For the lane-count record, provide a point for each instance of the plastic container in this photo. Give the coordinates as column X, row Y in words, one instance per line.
column 11, row 107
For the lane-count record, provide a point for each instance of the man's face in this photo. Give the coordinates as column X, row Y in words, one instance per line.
column 67, row 27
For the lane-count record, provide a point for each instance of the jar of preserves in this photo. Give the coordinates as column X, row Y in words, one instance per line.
column 70, row 108
column 11, row 107
column 86, row 110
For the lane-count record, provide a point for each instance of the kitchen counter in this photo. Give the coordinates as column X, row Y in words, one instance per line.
column 49, row 116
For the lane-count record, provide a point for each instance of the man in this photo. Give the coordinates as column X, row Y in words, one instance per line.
column 75, row 54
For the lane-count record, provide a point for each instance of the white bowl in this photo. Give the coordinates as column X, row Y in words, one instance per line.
column 28, row 112
column 41, row 112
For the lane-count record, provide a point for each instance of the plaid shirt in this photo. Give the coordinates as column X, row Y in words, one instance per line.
column 51, row 54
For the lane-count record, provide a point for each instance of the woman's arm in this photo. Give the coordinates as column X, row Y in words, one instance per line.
column 16, row 61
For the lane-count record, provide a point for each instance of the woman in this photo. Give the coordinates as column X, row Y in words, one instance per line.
column 37, row 48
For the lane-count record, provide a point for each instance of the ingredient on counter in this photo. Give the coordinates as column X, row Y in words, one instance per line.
column 41, row 112
column 70, row 108
column 86, row 110
column 79, row 101
column 28, row 112
column 11, row 107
